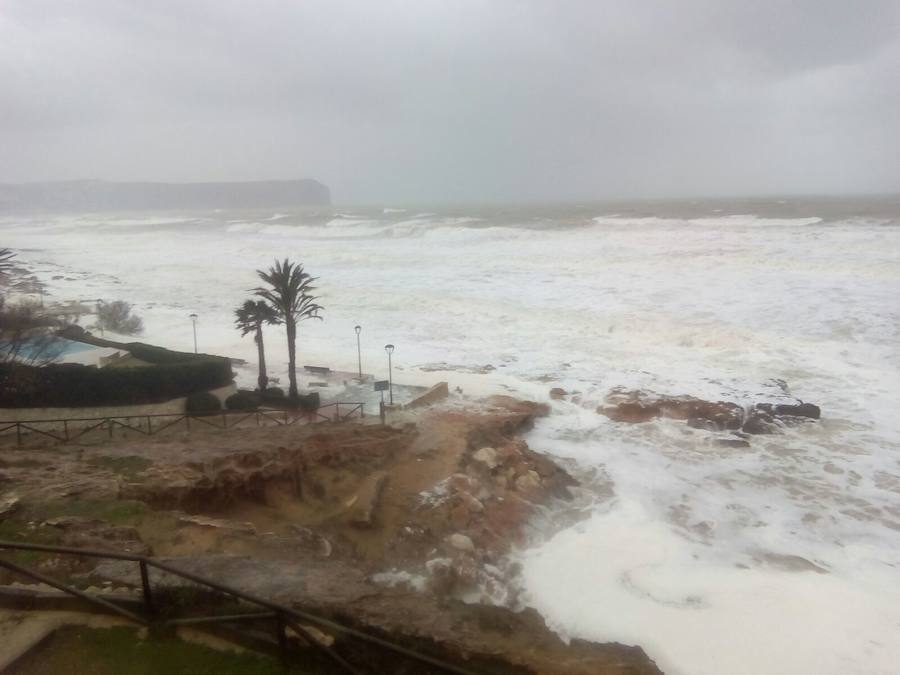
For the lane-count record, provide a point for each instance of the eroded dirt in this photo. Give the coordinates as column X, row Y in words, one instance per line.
column 386, row 527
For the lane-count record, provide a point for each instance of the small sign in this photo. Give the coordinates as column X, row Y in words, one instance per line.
column 382, row 385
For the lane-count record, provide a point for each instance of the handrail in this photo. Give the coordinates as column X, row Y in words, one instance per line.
column 333, row 404
column 280, row 416
column 274, row 607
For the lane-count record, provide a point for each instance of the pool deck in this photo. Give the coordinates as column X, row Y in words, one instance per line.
column 344, row 386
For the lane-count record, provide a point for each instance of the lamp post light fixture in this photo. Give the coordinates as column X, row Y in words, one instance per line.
column 194, row 321
column 390, row 350
column 358, row 330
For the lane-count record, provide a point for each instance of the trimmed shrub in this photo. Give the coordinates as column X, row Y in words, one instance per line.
column 274, row 392
column 308, row 401
column 243, row 400
column 202, row 403
column 71, row 385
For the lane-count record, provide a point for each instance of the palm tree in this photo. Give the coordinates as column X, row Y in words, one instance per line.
column 289, row 293
column 249, row 318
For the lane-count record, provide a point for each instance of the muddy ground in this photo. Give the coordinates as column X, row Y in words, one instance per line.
column 403, row 529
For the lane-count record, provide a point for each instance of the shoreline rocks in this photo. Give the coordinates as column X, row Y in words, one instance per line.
column 635, row 407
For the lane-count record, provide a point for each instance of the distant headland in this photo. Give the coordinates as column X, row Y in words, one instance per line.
column 100, row 195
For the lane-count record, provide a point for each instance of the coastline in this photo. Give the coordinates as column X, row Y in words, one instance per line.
column 416, row 519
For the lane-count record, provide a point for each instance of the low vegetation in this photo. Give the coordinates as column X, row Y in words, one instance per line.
column 243, row 400
column 74, row 385
column 120, row 651
column 202, row 403
column 117, row 317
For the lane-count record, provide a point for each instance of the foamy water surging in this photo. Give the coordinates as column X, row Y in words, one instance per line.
column 783, row 557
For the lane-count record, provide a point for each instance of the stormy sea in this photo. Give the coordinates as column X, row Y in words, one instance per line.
column 779, row 557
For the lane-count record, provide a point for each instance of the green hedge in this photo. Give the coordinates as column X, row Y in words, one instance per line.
column 202, row 403
column 243, row 400
column 308, row 401
column 73, row 385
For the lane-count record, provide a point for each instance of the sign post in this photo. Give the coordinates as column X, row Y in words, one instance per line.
column 382, row 386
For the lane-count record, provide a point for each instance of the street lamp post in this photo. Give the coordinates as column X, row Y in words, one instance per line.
column 390, row 350
column 358, row 329
column 194, row 321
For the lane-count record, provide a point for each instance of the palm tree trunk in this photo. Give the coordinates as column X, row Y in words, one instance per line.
column 292, row 356
column 263, row 379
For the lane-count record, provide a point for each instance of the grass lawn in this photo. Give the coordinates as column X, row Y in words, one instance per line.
column 119, row 651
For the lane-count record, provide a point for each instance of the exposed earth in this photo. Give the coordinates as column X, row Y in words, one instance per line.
column 403, row 530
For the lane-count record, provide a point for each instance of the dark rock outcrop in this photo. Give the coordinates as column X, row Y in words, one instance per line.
column 715, row 416
column 763, row 418
column 801, row 410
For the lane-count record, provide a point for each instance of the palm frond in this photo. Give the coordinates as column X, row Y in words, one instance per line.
column 253, row 314
column 289, row 291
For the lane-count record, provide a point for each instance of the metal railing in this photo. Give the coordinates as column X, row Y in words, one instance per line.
column 284, row 617
column 70, row 429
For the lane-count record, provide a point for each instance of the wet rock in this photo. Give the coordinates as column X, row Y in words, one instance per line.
column 760, row 422
column 467, row 571
column 528, row 482
column 461, row 542
column 801, row 410
column 557, row 394
column 472, row 504
column 714, row 416
column 8, row 505
column 763, row 418
column 460, row 482
column 486, row 456
column 518, row 406
column 460, row 516
column 312, row 541
column 72, row 522
column 733, row 442
column 311, row 632
column 700, row 423
column 218, row 524
column 631, row 412
column 364, row 503
column 511, row 452
column 121, row 539
column 442, row 577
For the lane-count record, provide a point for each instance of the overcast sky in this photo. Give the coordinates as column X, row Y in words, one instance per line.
column 461, row 100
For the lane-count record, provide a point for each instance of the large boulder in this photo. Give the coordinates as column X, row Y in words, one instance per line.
column 712, row 415
column 763, row 418
column 801, row 410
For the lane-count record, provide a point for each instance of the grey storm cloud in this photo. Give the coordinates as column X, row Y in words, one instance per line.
column 491, row 100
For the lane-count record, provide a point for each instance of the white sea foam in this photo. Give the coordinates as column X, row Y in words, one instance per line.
column 626, row 576
column 699, row 554
column 736, row 220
